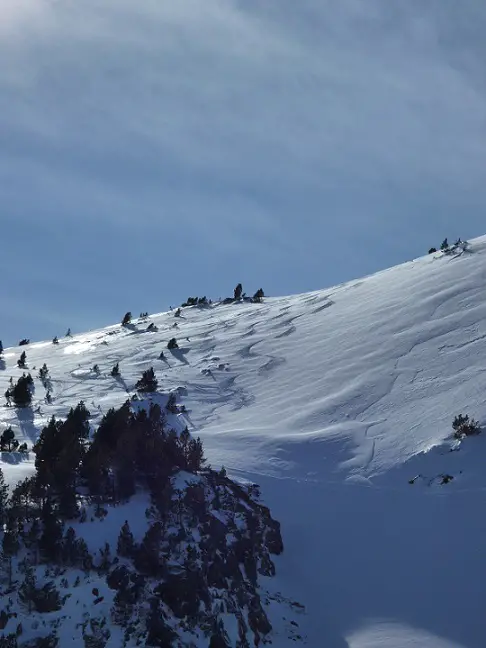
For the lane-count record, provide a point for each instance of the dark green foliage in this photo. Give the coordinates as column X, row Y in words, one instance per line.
column 259, row 295
column 148, row 382
column 21, row 392
column 151, row 327
column 68, row 333
column 50, row 542
column 59, row 452
column 3, row 498
column 25, row 499
column 464, row 426
column 105, row 559
column 115, row 372
column 444, row 246
column 55, row 340
column 127, row 318
column 432, row 250
column 147, row 556
column 96, row 369
column 8, row 441
column 43, row 372
column 27, row 590
column 21, row 362
column 24, row 341
column 159, row 634
column 43, row 599
column 126, row 543
column 171, row 405
column 1, row 347
column 238, row 291
column 219, row 637
column 10, row 544
column 172, row 344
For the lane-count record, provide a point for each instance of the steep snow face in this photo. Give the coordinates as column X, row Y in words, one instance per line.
column 332, row 401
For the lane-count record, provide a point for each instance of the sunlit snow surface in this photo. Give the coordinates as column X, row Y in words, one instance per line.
column 332, row 401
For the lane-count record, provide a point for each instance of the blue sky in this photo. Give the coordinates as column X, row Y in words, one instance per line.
column 155, row 149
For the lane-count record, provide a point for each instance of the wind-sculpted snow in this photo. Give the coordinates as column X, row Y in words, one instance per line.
column 333, row 402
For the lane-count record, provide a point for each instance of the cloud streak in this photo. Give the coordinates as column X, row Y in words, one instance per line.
column 227, row 126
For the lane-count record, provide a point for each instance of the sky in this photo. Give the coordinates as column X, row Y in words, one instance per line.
column 153, row 150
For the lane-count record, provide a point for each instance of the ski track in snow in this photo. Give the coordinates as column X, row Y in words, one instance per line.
column 331, row 401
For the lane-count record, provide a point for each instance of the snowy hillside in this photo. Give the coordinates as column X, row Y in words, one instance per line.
column 332, row 402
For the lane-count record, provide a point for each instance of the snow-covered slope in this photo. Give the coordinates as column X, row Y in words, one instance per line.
column 332, row 401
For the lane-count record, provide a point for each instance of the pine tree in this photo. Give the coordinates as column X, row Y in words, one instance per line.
column 126, row 543
column 238, row 290
column 7, row 439
column 159, row 633
column 148, row 382
column 68, row 333
column 10, row 544
column 115, row 371
column 55, row 340
column 105, row 558
column 127, row 318
column 51, row 537
column 28, row 590
column 172, row 344
column 22, row 360
column 259, row 295
column 3, row 498
column 147, row 558
column 1, row 347
column 21, row 391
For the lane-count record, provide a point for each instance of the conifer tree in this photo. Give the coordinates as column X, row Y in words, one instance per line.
column 147, row 558
column 21, row 391
column 148, row 382
column 50, row 540
column 28, row 590
column 3, row 498
column 22, row 360
column 7, row 440
column 116, row 370
column 126, row 543
column 10, row 544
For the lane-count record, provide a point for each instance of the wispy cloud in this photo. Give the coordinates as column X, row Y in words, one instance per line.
column 321, row 135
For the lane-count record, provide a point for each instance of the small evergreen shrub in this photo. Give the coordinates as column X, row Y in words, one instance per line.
column 238, row 291
column 172, row 344
column 115, row 372
column 432, row 250
column 8, row 441
column 259, row 295
column 463, row 426
column 24, row 342
column 127, row 318
column 148, row 382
